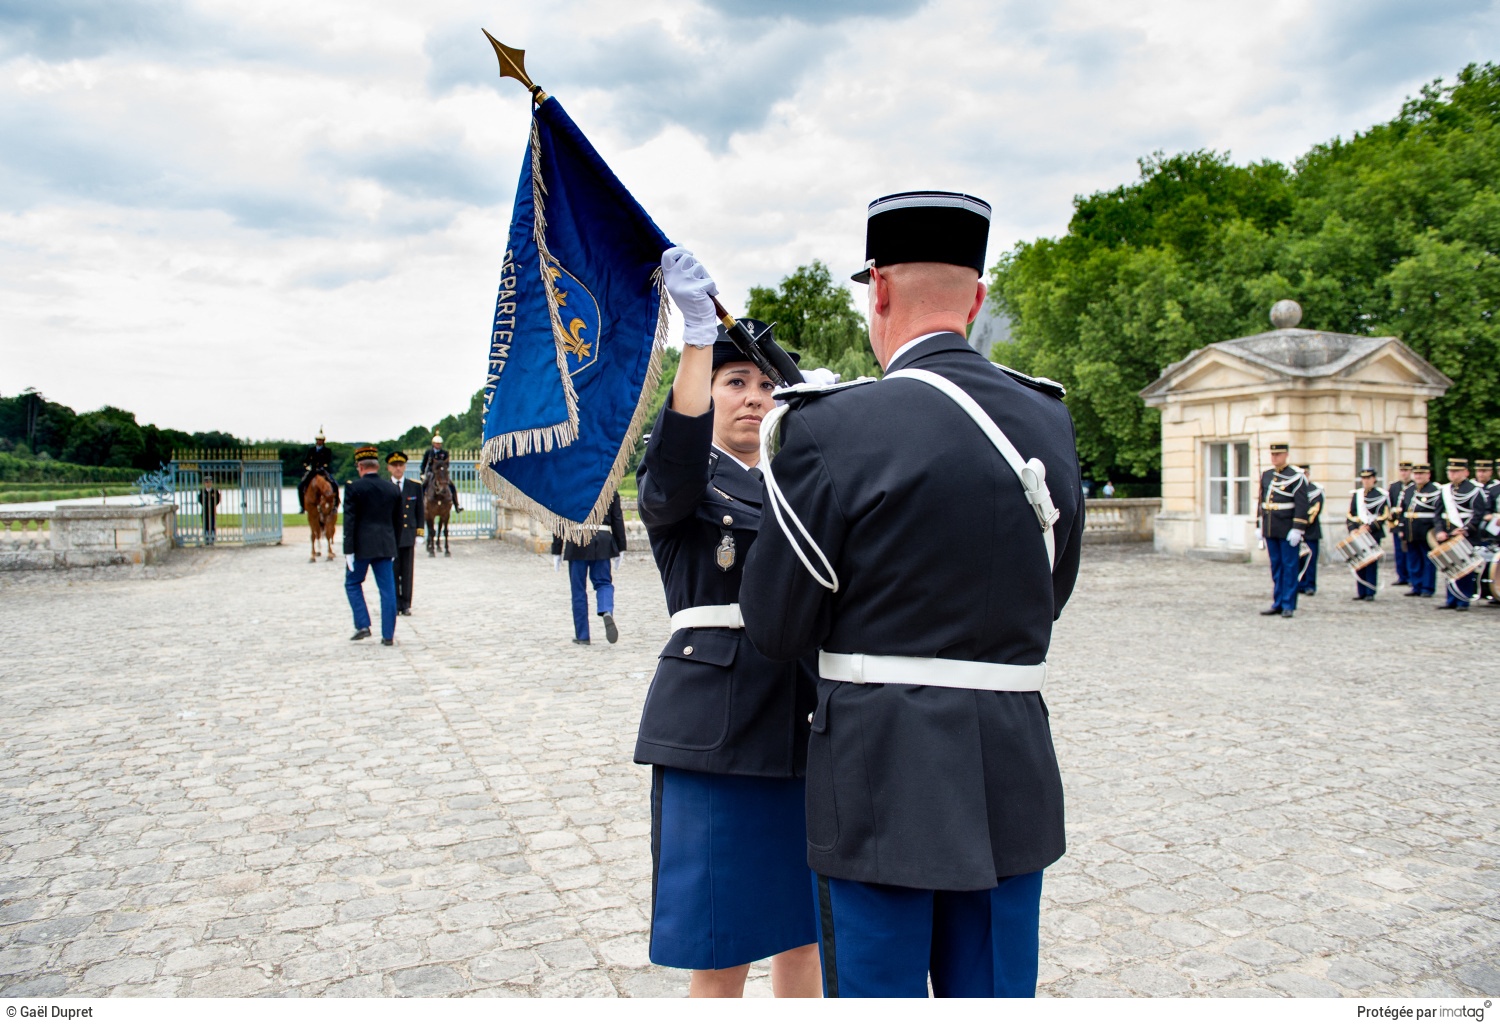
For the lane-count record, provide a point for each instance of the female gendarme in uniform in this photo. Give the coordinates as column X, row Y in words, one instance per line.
column 724, row 729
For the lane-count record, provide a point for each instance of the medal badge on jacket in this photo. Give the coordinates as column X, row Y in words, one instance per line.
column 725, row 553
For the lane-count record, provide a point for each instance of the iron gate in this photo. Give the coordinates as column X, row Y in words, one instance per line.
column 478, row 517
column 248, row 487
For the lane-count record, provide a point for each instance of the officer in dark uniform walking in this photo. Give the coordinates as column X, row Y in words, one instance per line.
column 430, row 458
column 909, row 518
column 1398, row 495
column 1368, row 506
column 1460, row 512
column 372, row 520
column 1307, row 582
column 1421, row 517
column 724, row 728
column 411, row 527
column 1281, row 518
column 318, row 459
column 589, row 562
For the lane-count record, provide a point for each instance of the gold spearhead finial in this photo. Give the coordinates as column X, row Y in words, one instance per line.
column 513, row 65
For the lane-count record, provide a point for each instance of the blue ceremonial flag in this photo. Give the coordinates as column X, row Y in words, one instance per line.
column 580, row 325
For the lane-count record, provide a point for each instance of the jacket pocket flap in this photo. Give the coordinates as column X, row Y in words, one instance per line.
column 703, row 645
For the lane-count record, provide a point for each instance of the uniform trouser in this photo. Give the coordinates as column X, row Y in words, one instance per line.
column 1367, row 579
column 1284, row 567
column 1401, row 564
column 597, row 571
column 1309, row 577
column 1461, row 590
column 385, row 582
column 1421, row 573
column 881, row 941
column 404, row 566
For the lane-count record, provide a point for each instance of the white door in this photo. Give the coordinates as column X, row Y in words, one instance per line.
column 1229, row 496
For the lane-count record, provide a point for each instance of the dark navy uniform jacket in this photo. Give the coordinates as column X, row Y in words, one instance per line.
column 938, row 554
column 411, row 513
column 1470, row 504
column 605, row 544
column 1399, row 493
column 1288, row 489
column 716, row 704
column 1314, row 532
column 1422, row 511
column 1376, row 502
column 372, row 518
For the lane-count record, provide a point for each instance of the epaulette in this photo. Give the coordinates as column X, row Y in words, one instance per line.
column 1040, row 384
column 807, row 390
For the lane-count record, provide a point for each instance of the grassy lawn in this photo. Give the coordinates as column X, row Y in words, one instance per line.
column 49, row 492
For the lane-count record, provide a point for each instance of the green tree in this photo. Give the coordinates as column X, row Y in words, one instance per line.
column 816, row 318
column 1396, row 231
column 107, row 437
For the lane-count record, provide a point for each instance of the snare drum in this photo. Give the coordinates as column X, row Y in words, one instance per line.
column 1360, row 548
column 1489, row 577
column 1455, row 557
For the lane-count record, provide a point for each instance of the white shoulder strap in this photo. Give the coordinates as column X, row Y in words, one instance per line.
column 1032, row 473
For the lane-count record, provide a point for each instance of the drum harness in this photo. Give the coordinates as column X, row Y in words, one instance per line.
column 860, row 668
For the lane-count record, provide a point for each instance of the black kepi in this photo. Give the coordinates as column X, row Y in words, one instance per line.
column 926, row 226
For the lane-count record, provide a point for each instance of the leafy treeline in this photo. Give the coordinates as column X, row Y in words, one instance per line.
column 815, row 318
column 43, row 441
column 1395, row 232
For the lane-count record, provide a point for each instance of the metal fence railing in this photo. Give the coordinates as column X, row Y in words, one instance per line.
column 226, row 497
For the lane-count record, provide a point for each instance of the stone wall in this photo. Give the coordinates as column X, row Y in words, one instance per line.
column 1120, row 520
column 85, row 536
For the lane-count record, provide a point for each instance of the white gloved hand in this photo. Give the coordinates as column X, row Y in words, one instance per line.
column 557, row 563
column 821, row 376
column 349, row 561
column 691, row 288
column 616, row 562
column 1294, row 537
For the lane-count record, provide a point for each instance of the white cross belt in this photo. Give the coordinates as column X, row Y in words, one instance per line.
column 921, row 670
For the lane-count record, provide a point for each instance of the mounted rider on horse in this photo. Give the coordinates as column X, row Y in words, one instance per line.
column 316, row 461
column 429, row 458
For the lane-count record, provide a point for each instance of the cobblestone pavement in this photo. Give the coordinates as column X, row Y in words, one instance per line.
column 206, row 789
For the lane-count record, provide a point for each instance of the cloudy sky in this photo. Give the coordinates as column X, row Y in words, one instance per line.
column 265, row 217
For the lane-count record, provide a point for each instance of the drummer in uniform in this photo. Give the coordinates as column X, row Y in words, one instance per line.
column 1398, row 495
column 1281, row 517
column 1368, row 507
column 1307, row 578
column 1489, row 535
column 724, row 729
column 1460, row 514
column 1420, row 515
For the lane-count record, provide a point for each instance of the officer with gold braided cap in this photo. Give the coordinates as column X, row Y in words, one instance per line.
column 1420, row 517
column 1398, row 495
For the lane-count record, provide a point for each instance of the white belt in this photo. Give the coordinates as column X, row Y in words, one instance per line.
column 921, row 670
column 708, row 617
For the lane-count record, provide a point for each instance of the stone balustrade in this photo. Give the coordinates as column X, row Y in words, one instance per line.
column 85, row 536
column 1120, row 520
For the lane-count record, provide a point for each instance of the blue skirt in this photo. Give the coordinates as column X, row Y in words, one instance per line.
column 729, row 883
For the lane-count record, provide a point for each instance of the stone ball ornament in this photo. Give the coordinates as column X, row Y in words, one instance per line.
column 1286, row 313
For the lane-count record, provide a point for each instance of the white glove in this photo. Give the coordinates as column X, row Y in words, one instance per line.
column 557, row 563
column 616, row 562
column 821, row 376
column 1294, row 537
column 692, row 290
column 349, row 561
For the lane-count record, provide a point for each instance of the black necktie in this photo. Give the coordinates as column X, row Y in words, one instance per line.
column 754, row 473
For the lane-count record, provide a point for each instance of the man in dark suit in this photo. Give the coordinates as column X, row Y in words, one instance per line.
column 928, row 533
column 589, row 561
column 372, row 523
column 411, row 527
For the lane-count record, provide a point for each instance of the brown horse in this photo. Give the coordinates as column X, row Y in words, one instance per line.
column 322, row 501
column 437, row 502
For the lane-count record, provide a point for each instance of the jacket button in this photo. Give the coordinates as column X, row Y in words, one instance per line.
column 728, row 519
column 687, row 650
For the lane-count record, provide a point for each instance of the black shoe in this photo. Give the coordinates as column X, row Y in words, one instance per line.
column 1287, row 613
column 1309, row 591
column 405, row 611
column 360, row 634
column 1359, row 599
column 1413, row 592
column 581, row 641
column 1273, row 611
column 610, row 631
column 387, row 641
